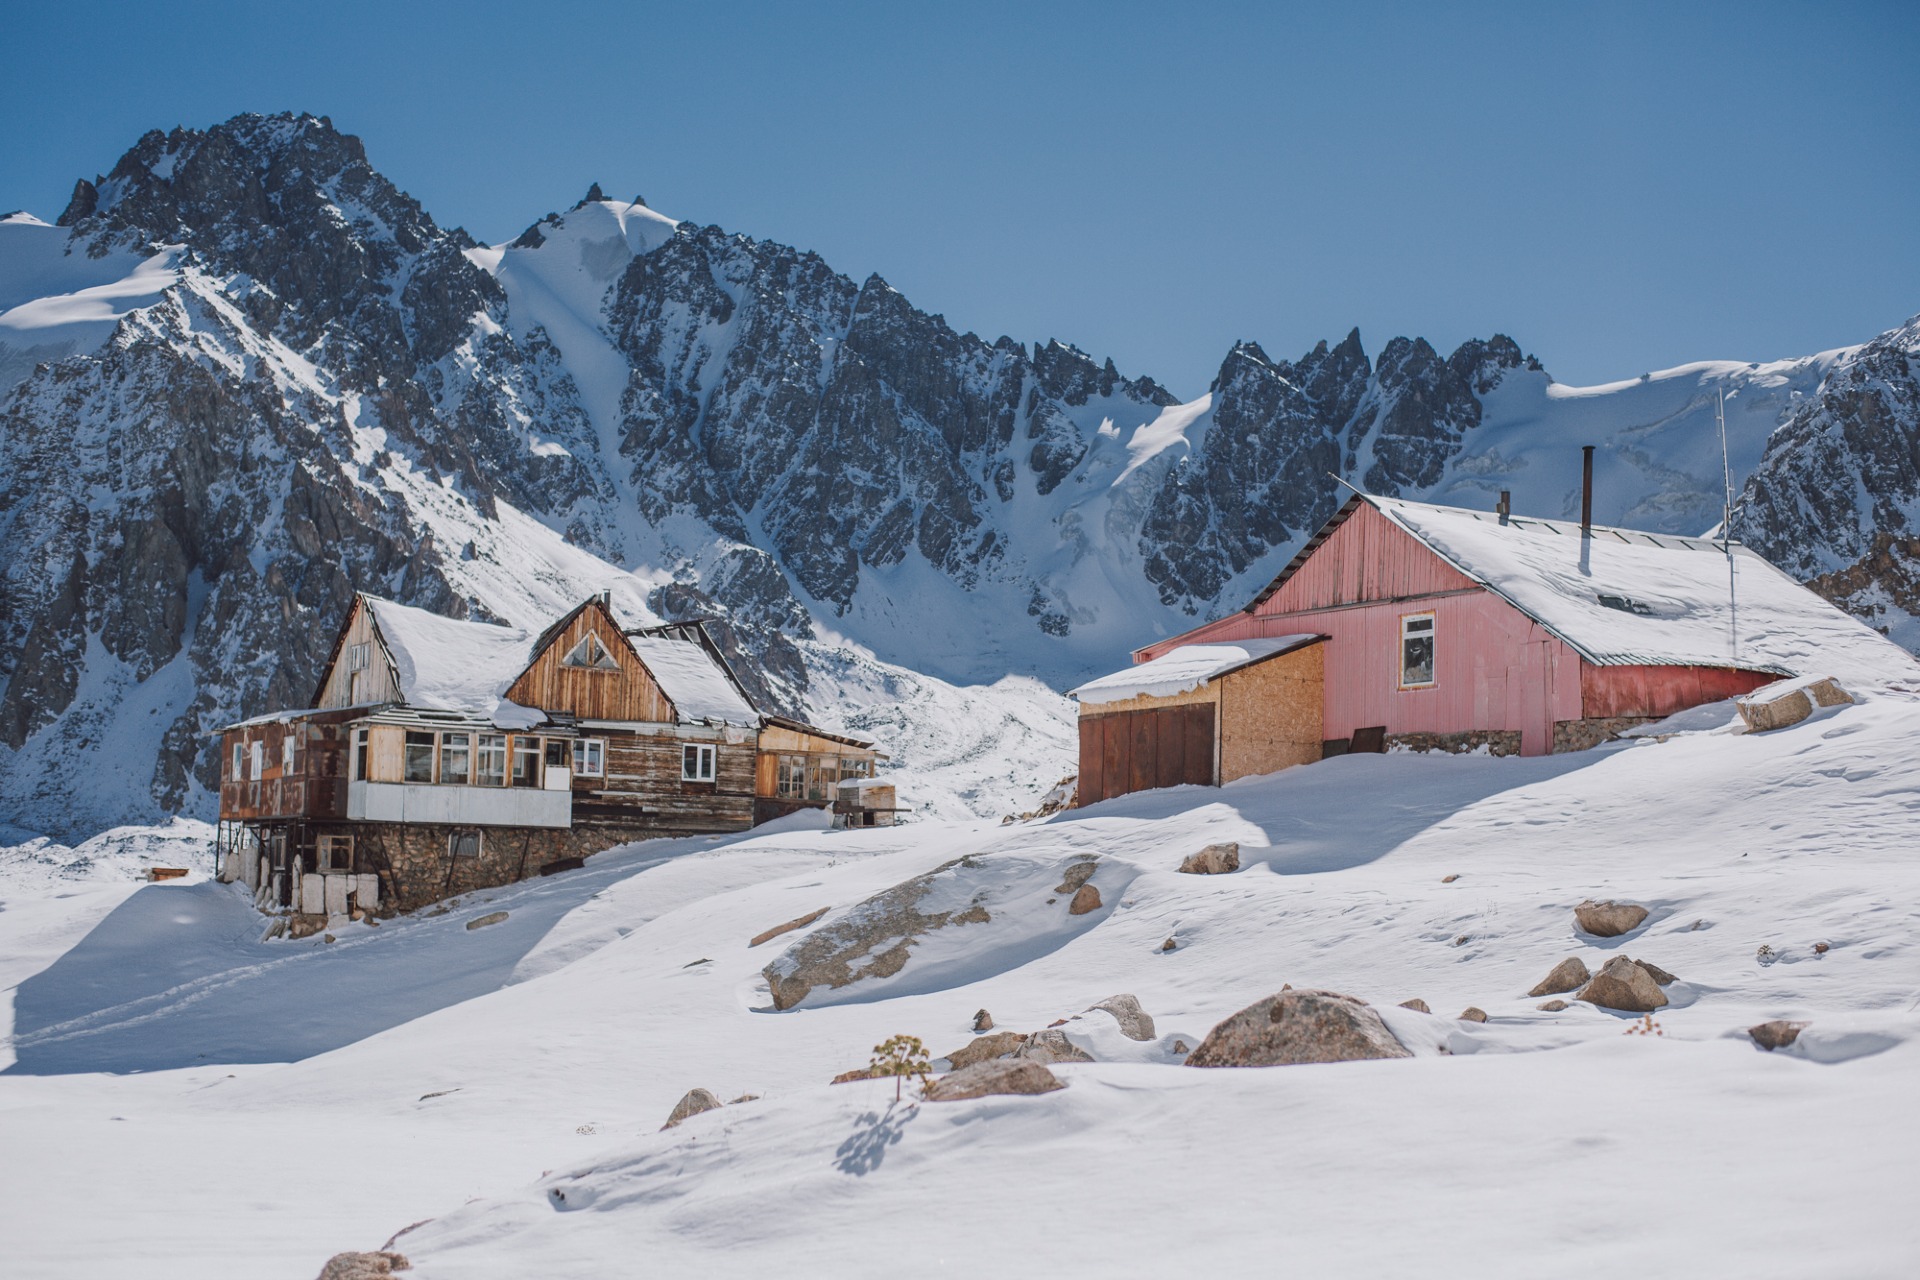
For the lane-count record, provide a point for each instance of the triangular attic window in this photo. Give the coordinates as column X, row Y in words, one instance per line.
column 590, row 653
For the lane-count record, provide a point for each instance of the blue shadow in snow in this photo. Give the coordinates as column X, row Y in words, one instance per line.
column 866, row 1148
column 177, row 976
column 1347, row 811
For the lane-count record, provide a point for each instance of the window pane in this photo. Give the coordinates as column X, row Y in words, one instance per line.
column 360, row 754
column 492, row 761
column 456, row 765
column 706, row 764
column 526, row 762
column 419, row 756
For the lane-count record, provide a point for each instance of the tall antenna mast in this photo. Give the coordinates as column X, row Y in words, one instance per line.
column 1726, row 529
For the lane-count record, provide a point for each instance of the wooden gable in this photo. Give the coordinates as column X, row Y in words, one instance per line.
column 375, row 682
column 1364, row 557
column 624, row 690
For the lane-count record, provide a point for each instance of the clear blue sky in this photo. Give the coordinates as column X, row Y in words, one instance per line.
column 1620, row 187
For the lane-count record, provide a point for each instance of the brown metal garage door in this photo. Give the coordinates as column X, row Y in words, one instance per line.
column 1139, row 750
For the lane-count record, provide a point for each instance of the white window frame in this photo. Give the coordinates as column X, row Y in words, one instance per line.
column 359, row 655
column 492, row 746
column 286, row 752
column 590, row 653
column 697, row 762
column 257, row 757
column 327, row 852
column 1409, row 632
column 361, row 758
column 454, row 742
column 239, row 760
column 589, row 757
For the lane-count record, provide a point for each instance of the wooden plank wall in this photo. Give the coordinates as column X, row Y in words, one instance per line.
column 376, row 682
column 1129, row 751
column 627, row 694
column 643, row 785
column 1368, row 558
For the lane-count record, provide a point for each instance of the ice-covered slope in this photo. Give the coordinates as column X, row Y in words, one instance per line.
column 500, row 1090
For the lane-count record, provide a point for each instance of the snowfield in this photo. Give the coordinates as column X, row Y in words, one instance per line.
column 184, row 1100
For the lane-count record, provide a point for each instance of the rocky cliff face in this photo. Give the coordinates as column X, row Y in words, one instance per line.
column 1835, row 500
column 316, row 389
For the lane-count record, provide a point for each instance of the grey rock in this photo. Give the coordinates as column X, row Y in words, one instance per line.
column 982, row 1021
column 997, row 1076
column 1608, row 919
column 1473, row 1013
column 695, row 1102
column 1214, row 860
column 481, row 922
column 1553, row 1006
column 1298, row 1027
column 1416, row 1004
column 364, row 1266
column 1622, row 984
column 1777, row 1034
column 1568, row 975
column 1051, row 1047
column 1077, row 875
column 1135, row 1022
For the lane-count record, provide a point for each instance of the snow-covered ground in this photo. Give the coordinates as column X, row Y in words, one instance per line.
column 186, row 1100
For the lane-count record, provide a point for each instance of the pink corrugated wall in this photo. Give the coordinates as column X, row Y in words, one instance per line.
column 1494, row 668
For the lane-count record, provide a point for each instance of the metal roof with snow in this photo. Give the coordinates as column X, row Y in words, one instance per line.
column 1187, row 668
column 1625, row 597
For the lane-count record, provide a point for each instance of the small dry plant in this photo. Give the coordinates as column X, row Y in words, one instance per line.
column 1645, row 1027
column 901, row 1056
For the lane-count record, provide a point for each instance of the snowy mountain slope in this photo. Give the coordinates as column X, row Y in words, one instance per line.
column 279, row 380
column 501, row 1090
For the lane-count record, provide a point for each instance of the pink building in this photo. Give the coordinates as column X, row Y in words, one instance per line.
column 1446, row 628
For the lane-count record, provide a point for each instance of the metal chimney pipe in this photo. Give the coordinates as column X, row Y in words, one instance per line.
column 1586, row 490
column 1505, row 507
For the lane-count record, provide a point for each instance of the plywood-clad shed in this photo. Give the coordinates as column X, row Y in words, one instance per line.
column 1201, row 715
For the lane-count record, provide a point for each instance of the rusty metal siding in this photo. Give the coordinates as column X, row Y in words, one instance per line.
column 1659, row 690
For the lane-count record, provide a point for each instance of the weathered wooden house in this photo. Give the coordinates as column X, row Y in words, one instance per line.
column 442, row 756
column 1408, row 625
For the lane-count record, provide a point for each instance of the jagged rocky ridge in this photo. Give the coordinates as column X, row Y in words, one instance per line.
column 331, row 392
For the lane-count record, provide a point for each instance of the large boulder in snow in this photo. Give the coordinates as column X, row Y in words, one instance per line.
column 364, row 1266
column 985, row 1048
column 1051, row 1047
column 1298, row 1027
column 1655, row 972
column 1000, row 1075
column 696, row 1101
column 963, row 921
column 1214, row 860
column 1135, row 1023
column 1608, row 919
column 1621, row 984
column 1566, row 976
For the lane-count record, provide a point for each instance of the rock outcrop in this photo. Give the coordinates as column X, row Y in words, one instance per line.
column 1621, row 984
column 1298, row 1027
column 1416, row 1004
column 1001, row 1075
column 1608, row 919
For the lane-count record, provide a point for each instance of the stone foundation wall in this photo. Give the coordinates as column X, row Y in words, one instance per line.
column 415, row 867
column 1499, row 742
column 1579, row 735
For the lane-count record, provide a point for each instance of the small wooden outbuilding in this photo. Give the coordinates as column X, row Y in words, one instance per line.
column 1201, row 714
